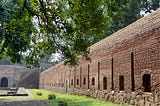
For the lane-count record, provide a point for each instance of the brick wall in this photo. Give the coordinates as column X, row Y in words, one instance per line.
column 19, row 76
column 127, row 59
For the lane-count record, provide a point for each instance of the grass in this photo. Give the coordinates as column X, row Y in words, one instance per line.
column 44, row 95
column 72, row 100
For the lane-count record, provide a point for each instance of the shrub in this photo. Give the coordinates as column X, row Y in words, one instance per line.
column 62, row 103
column 39, row 93
column 51, row 96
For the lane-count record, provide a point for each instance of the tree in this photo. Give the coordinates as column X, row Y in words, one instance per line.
column 42, row 27
column 16, row 28
column 132, row 11
column 148, row 6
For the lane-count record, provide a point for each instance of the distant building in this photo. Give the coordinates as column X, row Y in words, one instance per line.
column 18, row 76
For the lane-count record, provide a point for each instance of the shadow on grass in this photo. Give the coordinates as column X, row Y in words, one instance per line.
column 84, row 103
column 73, row 103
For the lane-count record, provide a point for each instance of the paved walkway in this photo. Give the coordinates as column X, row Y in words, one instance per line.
column 24, row 100
column 21, row 98
column 22, row 90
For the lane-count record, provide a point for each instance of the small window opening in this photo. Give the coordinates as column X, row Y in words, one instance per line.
column 147, row 83
column 84, row 81
column 121, row 83
column 104, row 83
column 93, row 81
column 77, row 81
column 72, row 82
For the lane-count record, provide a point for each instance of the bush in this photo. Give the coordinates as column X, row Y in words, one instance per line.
column 51, row 96
column 39, row 93
column 62, row 103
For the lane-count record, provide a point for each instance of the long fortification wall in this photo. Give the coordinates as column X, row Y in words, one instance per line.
column 124, row 67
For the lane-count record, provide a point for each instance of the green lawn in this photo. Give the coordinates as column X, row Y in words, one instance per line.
column 72, row 100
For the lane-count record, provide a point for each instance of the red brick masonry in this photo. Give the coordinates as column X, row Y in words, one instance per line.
column 127, row 62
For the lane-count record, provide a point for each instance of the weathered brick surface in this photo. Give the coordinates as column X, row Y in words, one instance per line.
column 139, row 42
column 19, row 76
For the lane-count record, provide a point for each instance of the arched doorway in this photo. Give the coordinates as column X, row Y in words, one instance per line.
column 147, row 82
column 67, row 86
column 93, row 81
column 104, row 83
column 84, row 81
column 121, row 83
column 4, row 82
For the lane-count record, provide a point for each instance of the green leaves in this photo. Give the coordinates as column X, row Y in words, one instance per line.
column 42, row 27
column 16, row 36
column 149, row 6
column 130, row 12
column 87, row 23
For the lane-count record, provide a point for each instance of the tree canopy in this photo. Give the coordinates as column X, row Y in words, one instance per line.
column 32, row 29
column 130, row 12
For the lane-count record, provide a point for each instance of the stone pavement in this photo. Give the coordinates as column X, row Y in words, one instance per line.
column 22, row 90
column 24, row 100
